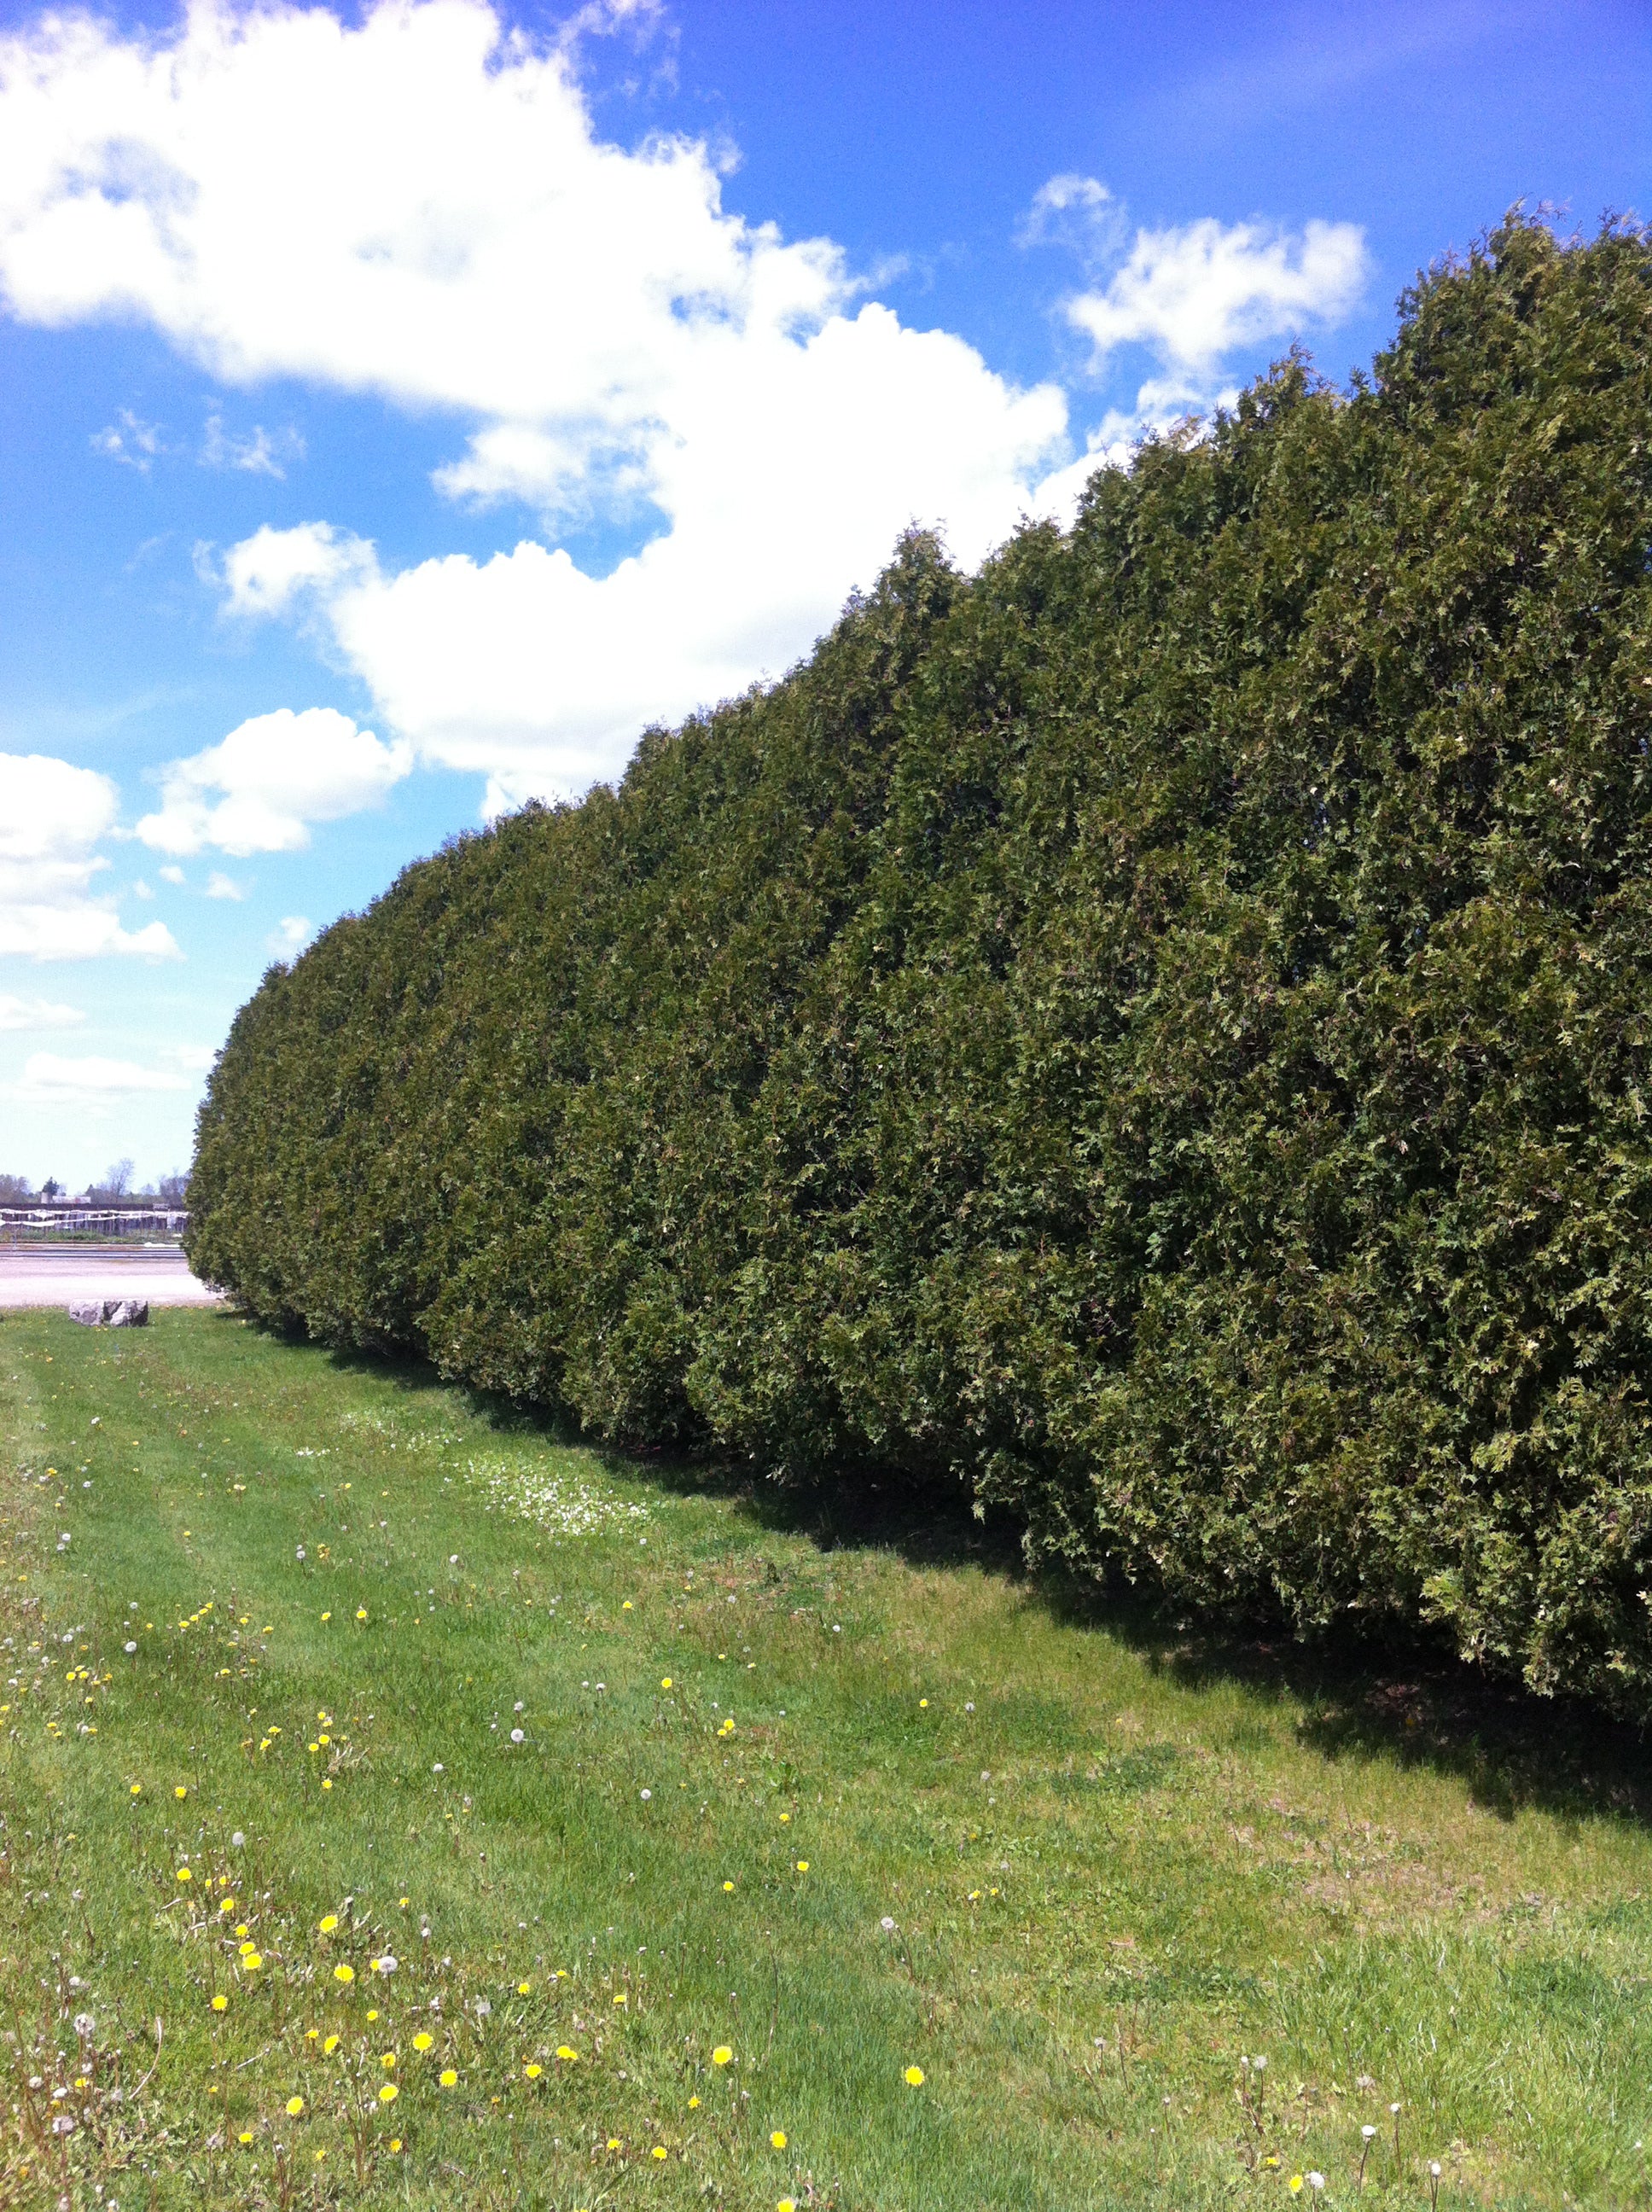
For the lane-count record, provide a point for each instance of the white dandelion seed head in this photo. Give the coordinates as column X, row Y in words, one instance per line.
column 85, row 2025
column 1368, row 2132
column 887, row 1924
column 130, row 1648
column 237, row 1841
column 646, row 1795
column 516, row 1735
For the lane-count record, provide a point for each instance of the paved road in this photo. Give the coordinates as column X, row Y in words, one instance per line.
column 52, row 1274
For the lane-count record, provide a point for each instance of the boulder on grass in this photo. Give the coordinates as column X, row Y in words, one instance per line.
column 111, row 1312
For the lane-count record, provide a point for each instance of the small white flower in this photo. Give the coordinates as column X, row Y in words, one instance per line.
column 62, row 2125
column 646, row 1795
column 84, row 2025
column 969, row 1705
column 517, row 1707
column 437, row 1768
column 1368, row 2132
column 130, row 1648
column 887, row 1925
column 516, row 1735
column 1434, row 2167
column 300, row 1551
column 237, row 1841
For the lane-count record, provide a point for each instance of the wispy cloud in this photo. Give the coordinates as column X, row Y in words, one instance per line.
column 259, row 452
column 130, row 440
column 17, row 1013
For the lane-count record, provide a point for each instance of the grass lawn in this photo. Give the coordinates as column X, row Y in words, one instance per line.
column 860, row 1875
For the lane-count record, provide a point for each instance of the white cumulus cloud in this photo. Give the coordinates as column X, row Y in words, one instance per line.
column 1193, row 295
column 290, row 936
column 53, row 816
column 270, row 778
column 417, row 204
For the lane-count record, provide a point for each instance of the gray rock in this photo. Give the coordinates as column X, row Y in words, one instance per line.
column 111, row 1312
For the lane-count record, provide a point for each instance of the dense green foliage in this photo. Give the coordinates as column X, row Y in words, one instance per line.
column 1159, row 1029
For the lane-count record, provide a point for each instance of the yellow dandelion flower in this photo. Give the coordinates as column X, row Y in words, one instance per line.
column 184, row 1874
column 342, row 1973
column 395, row 2143
column 522, row 1988
column 244, row 2136
column 620, row 1997
column 252, row 1961
column 312, row 2035
column 626, row 1607
column 225, row 1904
column 403, row 1902
column 664, row 1681
column 180, row 1791
column 295, row 2107
column 915, row 2077
column 923, row 1704
column 567, row 2053
column 327, row 1784
column 423, row 2040
column 659, row 2151
column 803, row 1866
column 722, row 2056
column 330, row 2046
column 328, row 1922
column 613, row 2143
column 447, row 2078
column 388, row 2094
column 532, row 2072
column 361, row 1613
column 326, row 1616
column 312, row 1746
column 778, row 2139
column 221, row 2004
column 241, row 1929
column 137, row 1789
column 728, row 1885
column 694, row 2104
column 389, row 2058
column 785, row 2204
column 1295, row 2185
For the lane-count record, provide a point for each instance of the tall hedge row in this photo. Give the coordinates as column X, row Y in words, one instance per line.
column 1161, row 1029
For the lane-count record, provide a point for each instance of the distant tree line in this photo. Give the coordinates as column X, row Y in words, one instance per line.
column 1159, row 1031
column 117, row 1187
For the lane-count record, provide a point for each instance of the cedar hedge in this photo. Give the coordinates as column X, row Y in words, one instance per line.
column 1158, row 1030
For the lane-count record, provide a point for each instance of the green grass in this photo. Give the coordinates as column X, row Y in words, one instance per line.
column 1103, row 1860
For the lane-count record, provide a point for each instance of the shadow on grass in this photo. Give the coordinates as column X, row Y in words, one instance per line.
column 1350, row 1694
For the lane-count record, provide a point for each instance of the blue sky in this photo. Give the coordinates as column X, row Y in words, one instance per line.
column 400, row 409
